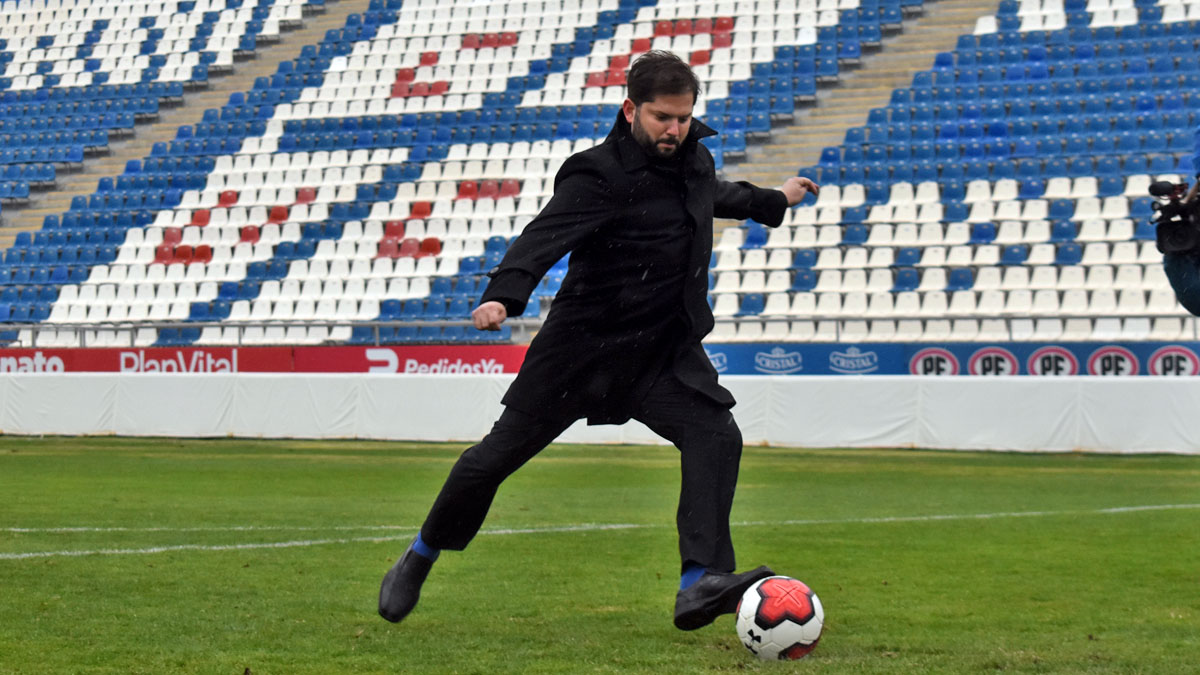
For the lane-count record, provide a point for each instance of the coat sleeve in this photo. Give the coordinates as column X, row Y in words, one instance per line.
column 743, row 200
column 581, row 205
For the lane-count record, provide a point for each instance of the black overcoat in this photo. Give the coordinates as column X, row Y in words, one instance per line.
column 634, row 299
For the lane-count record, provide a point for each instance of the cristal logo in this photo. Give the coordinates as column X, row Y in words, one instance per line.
column 778, row 362
column 38, row 363
column 719, row 361
column 387, row 361
column 854, row 361
column 200, row 361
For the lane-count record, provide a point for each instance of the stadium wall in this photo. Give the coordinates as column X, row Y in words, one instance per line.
column 1125, row 415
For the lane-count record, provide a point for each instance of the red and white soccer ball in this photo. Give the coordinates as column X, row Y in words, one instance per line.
column 780, row 618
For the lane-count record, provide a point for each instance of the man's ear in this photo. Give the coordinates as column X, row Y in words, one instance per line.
column 629, row 109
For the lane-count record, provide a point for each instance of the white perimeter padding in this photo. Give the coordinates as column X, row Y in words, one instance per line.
column 1140, row 414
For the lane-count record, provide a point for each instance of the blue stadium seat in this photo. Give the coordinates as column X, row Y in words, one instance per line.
column 982, row 233
column 906, row 279
column 804, row 281
column 1014, row 254
column 755, row 235
column 1062, row 231
column 908, row 256
column 751, row 305
column 960, row 279
column 1068, row 253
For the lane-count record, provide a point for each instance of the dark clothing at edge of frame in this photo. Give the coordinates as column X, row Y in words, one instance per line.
column 634, row 300
column 1183, row 268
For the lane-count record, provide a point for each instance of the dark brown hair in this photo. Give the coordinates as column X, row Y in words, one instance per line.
column 658, row 73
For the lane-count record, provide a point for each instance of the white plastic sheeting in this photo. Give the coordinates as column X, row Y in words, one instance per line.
column 1011, row 413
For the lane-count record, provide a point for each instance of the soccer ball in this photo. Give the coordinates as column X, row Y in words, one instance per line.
column 780, row 618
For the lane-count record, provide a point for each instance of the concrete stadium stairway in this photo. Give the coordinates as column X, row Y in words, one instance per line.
column 265, row 61
column 868, row 86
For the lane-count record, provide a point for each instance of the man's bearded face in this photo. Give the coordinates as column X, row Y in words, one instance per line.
column 660, row 125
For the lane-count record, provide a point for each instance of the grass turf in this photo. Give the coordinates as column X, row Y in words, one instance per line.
column 150, row 556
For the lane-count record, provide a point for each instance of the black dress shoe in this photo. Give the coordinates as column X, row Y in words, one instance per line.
column 402, row 585
column 712, row 595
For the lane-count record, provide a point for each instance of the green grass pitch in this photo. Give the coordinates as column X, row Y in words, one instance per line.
column 229, row 556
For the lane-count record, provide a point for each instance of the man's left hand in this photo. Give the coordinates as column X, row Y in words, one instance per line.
column 796, row 187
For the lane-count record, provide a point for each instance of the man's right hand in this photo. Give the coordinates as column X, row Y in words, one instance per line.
column 489, row 315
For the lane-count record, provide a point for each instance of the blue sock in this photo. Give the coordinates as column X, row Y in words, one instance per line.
column 691, row 574
column 424, row 550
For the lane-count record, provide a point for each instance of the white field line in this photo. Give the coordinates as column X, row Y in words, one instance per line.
column 403, row 533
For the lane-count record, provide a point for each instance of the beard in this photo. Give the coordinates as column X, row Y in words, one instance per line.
column 654, row 147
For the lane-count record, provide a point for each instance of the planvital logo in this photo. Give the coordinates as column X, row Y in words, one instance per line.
column 719, row 361
column 854, row 362
column 778, row 362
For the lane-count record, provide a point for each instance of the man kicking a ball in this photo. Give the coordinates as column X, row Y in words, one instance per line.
column 622, row 339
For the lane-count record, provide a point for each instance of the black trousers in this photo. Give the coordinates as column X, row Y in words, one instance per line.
column 710, row 447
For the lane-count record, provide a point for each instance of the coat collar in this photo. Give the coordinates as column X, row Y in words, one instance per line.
column 633, row 157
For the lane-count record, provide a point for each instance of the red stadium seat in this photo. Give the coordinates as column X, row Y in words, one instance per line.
column 471, row 41
column 409, row 248
column 202, row 254
column 249, row 234
column 305, row 195
column 183, row 254
column 429, row 58
column 702, row 26
column 164, row 253
column 279, row 214
column 491, row 40
column 394, row 230
column 664, row 28
column 420, row 209
column 401, row 90
column 723, row 24
column 683, row 27
column 172, row 235
column 615, row 78
column 228, row 198
column 468, row 189
column 200, row 217
column 510, row 187
column 594, row 80
column 641, row 46
column 508, row 39
column 439, row 88
column 406, row 75
column 429, row 246
column 700, row 57
column 489, row 189
column 388, row 248
column 619, row 62
column 721, row 40
column 420, row 89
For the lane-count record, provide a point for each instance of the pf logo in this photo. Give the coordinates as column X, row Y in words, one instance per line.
column 1174, row 361
column 993, row 361
column 1112, row 361
column 933, row 361
column 1053, row 361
